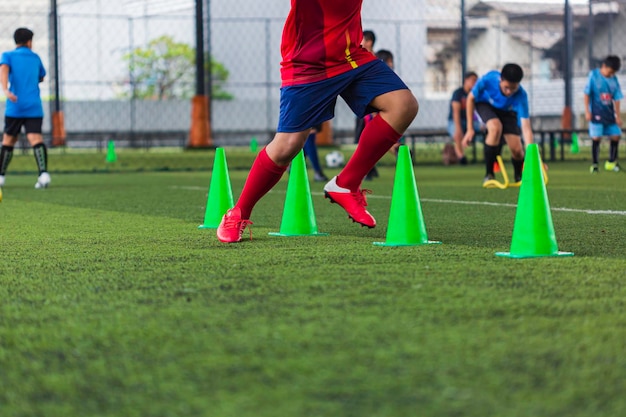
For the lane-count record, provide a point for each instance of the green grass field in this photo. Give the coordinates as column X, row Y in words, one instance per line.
column 114, row 303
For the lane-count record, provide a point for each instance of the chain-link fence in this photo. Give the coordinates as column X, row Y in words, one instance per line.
column 127, row 66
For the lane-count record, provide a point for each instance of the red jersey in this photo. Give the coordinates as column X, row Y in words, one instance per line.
column 322, row 39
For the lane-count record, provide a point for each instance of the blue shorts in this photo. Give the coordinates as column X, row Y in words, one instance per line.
column 597, row 130
column 306, row 105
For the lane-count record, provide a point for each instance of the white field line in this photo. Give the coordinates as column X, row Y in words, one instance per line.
column 469, row 203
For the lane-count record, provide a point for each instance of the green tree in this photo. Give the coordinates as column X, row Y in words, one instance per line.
column 165, row 69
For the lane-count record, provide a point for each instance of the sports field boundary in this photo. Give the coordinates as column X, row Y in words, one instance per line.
column 444, row 201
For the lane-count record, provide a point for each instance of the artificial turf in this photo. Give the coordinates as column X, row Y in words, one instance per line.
column 114, row 303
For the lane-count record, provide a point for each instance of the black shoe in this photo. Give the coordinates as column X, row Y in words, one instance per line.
column 463, row 161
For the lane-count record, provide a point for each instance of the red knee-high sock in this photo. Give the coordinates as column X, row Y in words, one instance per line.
column 377, row 138
column 263, row 175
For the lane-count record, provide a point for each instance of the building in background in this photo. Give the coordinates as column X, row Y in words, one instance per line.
column 424, row 35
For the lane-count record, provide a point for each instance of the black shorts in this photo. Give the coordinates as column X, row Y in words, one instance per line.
column 508, row 118
column 13, row 125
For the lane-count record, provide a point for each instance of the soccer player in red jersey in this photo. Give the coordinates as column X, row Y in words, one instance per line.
column 323, row 59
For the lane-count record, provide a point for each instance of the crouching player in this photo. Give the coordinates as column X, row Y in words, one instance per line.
column 500, row 101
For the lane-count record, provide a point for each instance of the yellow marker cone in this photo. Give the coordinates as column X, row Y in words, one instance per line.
column 298, row 214
column 533, row 232
column 220, row 197
column 254, row 145
column 505, row 178
column 406, row 222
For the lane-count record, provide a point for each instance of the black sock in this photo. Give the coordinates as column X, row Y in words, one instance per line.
column 6, row 153
column 613, row 151
column 491, row 153
column 517, row 167
column 41, row 156
column 595, row 151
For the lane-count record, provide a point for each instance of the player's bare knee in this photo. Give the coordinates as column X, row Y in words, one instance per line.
column 285, row 146
column 405, row 110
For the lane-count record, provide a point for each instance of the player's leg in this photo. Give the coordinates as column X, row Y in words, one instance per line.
column 514, row 142
column 268, row 168
column 458, row 142
column 397, row 109
column 301, row 107
column 595, row 133
column 12, row 129
column 40, row 152
column 613, row 165
column 492, row 139
column 373, row 88
column 512, row 135
column 613, row 132
column 376, row 88
column 492, row 146
column 265, row 173
column 6, row 154
column 614, row 148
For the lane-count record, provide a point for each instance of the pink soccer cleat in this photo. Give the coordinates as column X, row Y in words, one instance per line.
column 232, row 226
column 353, row 203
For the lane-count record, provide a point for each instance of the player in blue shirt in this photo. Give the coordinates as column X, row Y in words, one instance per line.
column 500, row 101
column 21, row 71
column 602, row 108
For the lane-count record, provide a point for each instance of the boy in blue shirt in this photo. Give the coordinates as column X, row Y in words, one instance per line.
column 602, row 110
column 500, row 101
column 21, row 71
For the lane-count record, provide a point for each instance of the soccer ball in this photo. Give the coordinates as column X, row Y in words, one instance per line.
column 335, row 159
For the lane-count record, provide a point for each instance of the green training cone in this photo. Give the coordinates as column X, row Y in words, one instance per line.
column 220, row 197
column 533, row 232
column 298, row 214
column 406, row 222
column 111, row 156
column 575, row 149
column 254, row 145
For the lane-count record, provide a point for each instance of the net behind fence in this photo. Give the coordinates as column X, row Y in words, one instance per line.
column 128, row 66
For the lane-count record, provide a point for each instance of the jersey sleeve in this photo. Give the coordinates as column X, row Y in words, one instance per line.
column 618, row 91
column 456, row 96
column 5, row 59
column 522, row 107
